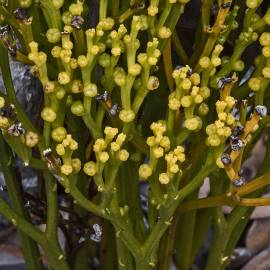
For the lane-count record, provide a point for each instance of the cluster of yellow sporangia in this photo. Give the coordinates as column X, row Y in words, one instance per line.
column 65, row 149
column 220, row 130
column 190, row 96
column 105, row 149
column 153, row 9
column 97, row 40
column 160, row 147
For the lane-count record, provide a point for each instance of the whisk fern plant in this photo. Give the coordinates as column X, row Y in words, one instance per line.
column 135, row 115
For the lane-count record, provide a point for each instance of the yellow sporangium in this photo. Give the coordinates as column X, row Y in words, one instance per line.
column 152, row 10
column 31, row 139
column 123, row 155
column 164, row 32
column 103, row 156
column 66, row 169
column 158, row 128
column 59, row 134
column 110, row 133
column 164, row 178
column 90, row 168
column 255, row 84
column 193, row 123
column 126, row 116
column 90, row 90
column 4, row 123
column 158, row 152
column 76, row 165
column 48, row 114
column 60, row 149
column 145, row 171
column 99, row 145
column 174, row 103
column 2, row 102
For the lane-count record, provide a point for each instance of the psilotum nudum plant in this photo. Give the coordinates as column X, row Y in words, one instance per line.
column 141, row 102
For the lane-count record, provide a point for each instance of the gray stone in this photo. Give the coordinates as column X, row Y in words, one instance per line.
column 259, row 262
column 9, row 259
column 261, row 211
column 10, row 256
column 258, row 236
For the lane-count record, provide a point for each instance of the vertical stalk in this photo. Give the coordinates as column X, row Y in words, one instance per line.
column 142, row 266
column 168, row 210
column 166, row 247
column 51, row 14
column 81, row 261
column 52, row 207
column 183, row 57
column 185, row 239
column 167, row 61
column 173, row 18
column 103, row 5
column 29, row 247
column 108, row 258
column 125, row 260
column 115, row 8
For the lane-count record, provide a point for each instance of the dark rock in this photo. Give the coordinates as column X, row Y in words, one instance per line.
column 28, row 88
column 239, row 257
column 13, row 267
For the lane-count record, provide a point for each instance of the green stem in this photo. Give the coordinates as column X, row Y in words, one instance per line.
column 103, row 4
column 167, row 211
column 166, row 248
column 164, row 15
column 179, row 48
column 92, row 126
column 37, row 164
column 140, row 265
column 115, row 8
column 222, row 232
column 80, row 47
column 26, row 30
column 109, row 185
column 171, row 124
column 55, row 256
column 51, row 14
column 205, row 22
column 83, row 201
column 173, row 18
column 124, row 257
column 126, row 92
column 126, row 236
column 19, row 221
column 125, row 15
column 29, row 247
column 142, row 92
column 185, row 239
column 52, row 207
column 87, row 250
